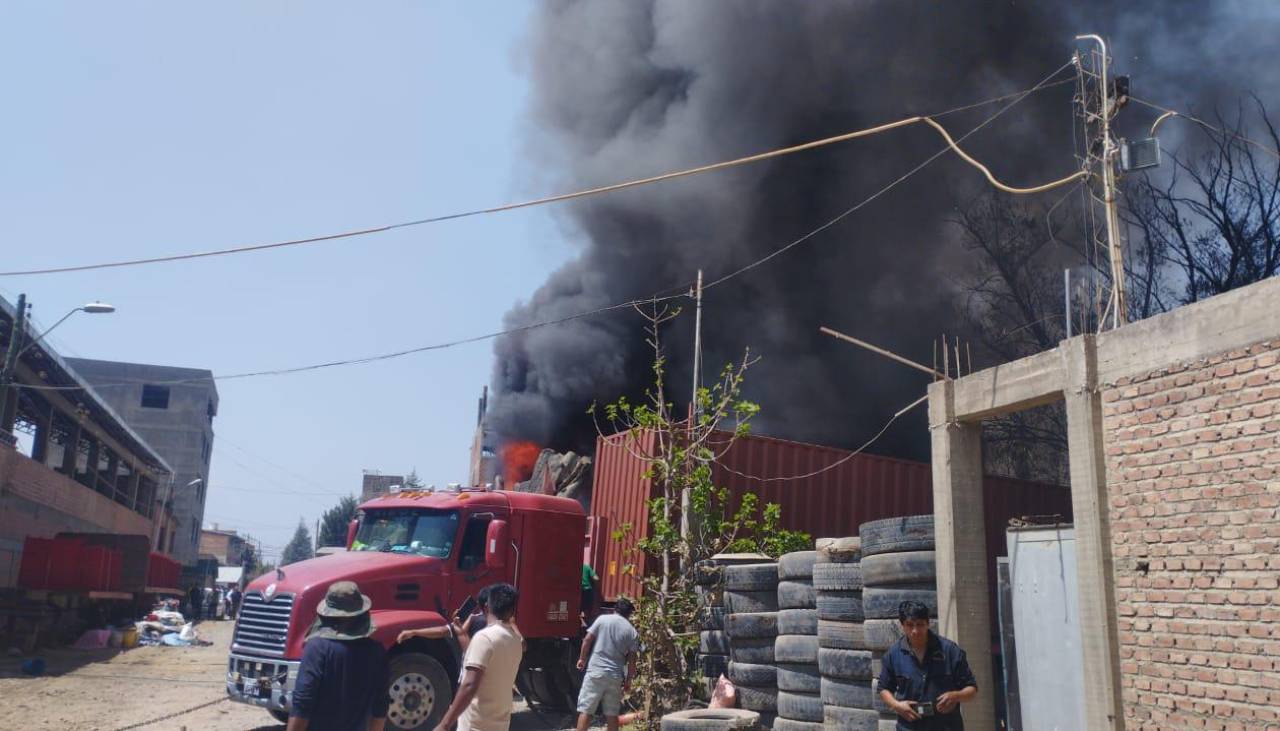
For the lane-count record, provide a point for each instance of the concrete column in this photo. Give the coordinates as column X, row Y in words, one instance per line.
column 44, row 425
column 964, row 614
column 70, row 450
column 91, row 470
column 135, row 479
column 1089, row 505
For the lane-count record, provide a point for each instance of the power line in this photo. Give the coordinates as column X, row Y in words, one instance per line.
column 1269, row 150
column 725, row 164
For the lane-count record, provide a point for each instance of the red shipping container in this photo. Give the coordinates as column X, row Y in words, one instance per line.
column 95, row 569
column 163, row 572
column 825, row 500
column 37, row 557
column 64, row 569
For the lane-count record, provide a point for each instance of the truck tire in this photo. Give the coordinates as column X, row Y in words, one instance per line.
column 755, row 652
column 713, row 666
column 420, row 692
column 838, row 577
column 882, row 603
column 798, row 677
column 756, row 676
column 842, row 635
column 800, row 707
column 708, row 573
column 882, row 633
column 797, row 565
column 787, row 724
column 845, row 664
column 839, row 550
column 852, row 719
column 797, row 595
column 903, row 567
column 798, row 622
column 907, row 533
column 747, row 602
column 709, row 596
column 711, row 719
column 751, row 626
column 713, row 618
column 751, row 577
column 281, row 716
column 713, row 642
column 758, row 699
column 796, row 649
column 841, row 606
column 846, row 693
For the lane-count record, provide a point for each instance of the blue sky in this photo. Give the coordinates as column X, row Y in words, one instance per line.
column 137, row 129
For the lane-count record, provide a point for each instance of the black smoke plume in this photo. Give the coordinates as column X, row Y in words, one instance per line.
column 624, row 89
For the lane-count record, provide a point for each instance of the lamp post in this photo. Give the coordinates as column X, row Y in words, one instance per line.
column 16, row 348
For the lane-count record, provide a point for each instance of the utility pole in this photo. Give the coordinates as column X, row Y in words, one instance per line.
column 697, row 344
column 16, row 336
column 1119, row 309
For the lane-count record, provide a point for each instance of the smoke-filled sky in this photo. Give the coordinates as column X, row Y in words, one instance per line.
column 628, row 89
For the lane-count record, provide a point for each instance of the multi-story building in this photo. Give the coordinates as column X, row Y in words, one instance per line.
column 375, row 484
column 173, row 409
column 225, row 545
column 484, row 447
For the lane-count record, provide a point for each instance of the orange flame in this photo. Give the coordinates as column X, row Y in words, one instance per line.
column 518, row 460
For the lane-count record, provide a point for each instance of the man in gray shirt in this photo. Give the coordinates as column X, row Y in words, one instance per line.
column 610, row 644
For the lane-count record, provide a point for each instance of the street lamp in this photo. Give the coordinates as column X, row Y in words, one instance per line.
column 16, row 348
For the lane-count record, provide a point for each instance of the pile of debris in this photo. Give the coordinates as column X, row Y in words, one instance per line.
column 566, row 475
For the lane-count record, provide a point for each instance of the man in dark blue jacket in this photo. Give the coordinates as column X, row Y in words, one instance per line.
column 924, row 677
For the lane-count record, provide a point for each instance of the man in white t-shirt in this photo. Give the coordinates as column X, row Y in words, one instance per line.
column 483, row 702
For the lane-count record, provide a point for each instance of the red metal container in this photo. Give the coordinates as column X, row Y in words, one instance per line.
column 163, row 572
column 99, row 569
column 37, row 558
column 64, row 567
column 814, row 499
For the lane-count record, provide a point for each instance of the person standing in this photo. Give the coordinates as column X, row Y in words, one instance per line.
column 483, row 702
column 925, row 677
column 342, row 680
column 611, row 645
column 589, row 577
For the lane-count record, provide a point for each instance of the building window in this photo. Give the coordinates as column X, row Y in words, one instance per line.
column 155, row 397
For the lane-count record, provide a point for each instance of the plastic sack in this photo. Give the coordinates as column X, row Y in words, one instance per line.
column 188, row 633
column 724, row 695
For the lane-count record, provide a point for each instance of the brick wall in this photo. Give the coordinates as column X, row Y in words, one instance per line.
column 1193, row 471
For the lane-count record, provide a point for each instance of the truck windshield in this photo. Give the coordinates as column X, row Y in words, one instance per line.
column 424, row 532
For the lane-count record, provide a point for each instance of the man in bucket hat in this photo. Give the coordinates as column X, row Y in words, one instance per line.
column 342, row 682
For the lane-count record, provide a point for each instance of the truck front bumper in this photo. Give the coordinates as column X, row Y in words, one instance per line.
column 261, row 681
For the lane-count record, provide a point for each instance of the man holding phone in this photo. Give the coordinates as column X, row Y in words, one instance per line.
column 925, row 677
column 466, row 623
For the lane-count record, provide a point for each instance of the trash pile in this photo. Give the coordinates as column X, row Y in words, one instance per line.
column 166, row 626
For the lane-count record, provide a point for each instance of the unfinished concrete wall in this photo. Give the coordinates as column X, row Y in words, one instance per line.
column 1193, row 464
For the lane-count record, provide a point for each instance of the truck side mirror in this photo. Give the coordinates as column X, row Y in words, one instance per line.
column 351, row 532
column 495, row 545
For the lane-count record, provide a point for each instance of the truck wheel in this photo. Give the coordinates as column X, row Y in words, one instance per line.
column 420, row 692
column 280, row 716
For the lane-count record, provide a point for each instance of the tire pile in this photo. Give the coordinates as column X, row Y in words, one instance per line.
column 795, row 650
column 897, row 565
column 844, row 660
column 751, row 626
column 713, row 645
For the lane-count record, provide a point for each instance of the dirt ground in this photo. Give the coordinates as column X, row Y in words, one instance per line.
column 107, row 690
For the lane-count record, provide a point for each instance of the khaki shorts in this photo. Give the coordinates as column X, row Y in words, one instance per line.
column 604, row 691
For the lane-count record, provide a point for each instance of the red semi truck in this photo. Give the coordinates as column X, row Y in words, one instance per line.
column 418, row 556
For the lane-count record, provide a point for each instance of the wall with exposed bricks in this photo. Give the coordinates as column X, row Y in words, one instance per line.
column 1193, row 473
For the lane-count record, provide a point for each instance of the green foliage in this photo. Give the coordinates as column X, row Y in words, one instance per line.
column 333, row 524
column 299, row 547
column 412, row 481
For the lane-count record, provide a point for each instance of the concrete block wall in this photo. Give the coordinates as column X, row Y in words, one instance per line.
column 1193, row 468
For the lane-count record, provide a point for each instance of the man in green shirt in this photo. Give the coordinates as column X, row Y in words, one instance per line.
column 588, row 591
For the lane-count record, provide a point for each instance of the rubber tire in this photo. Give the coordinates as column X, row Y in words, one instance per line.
column 798, row 677
column 841, row 606
column 798, row 622
column 796, row 649
column 430, row 668
column 752, row 675
column 707, row 573
column 281, row 716
column 842, row 635
column 844, row 664
column 903, row 567
column 751, row 577
column 751, row 626
column 796, row 565
column 882, row 603
column 847, row 693
column 888, row 724
column 713, row 642
column 709, row 596
column 758, row 699
column 711, row 719
column 851, row 719
column 787, row 724
column 755, row 652
column 713, row 618
column 797, row 595
column 882, row 633
column 839, row 550
column 906, row 533
column 751, row 602
column 712, row 666
column 838, row 577
column 800, row 706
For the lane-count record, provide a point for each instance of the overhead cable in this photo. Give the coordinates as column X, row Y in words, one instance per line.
column 1190, row 118
column 779, row 152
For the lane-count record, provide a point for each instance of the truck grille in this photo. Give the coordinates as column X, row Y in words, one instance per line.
column 263, row 626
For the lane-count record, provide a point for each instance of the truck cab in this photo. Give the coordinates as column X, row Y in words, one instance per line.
column 418, row 556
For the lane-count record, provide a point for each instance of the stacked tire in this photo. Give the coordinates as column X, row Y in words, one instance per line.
column 751, row 626
column 796, row 648
column 844, row 662
column 897, row 565
column 713, row 644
